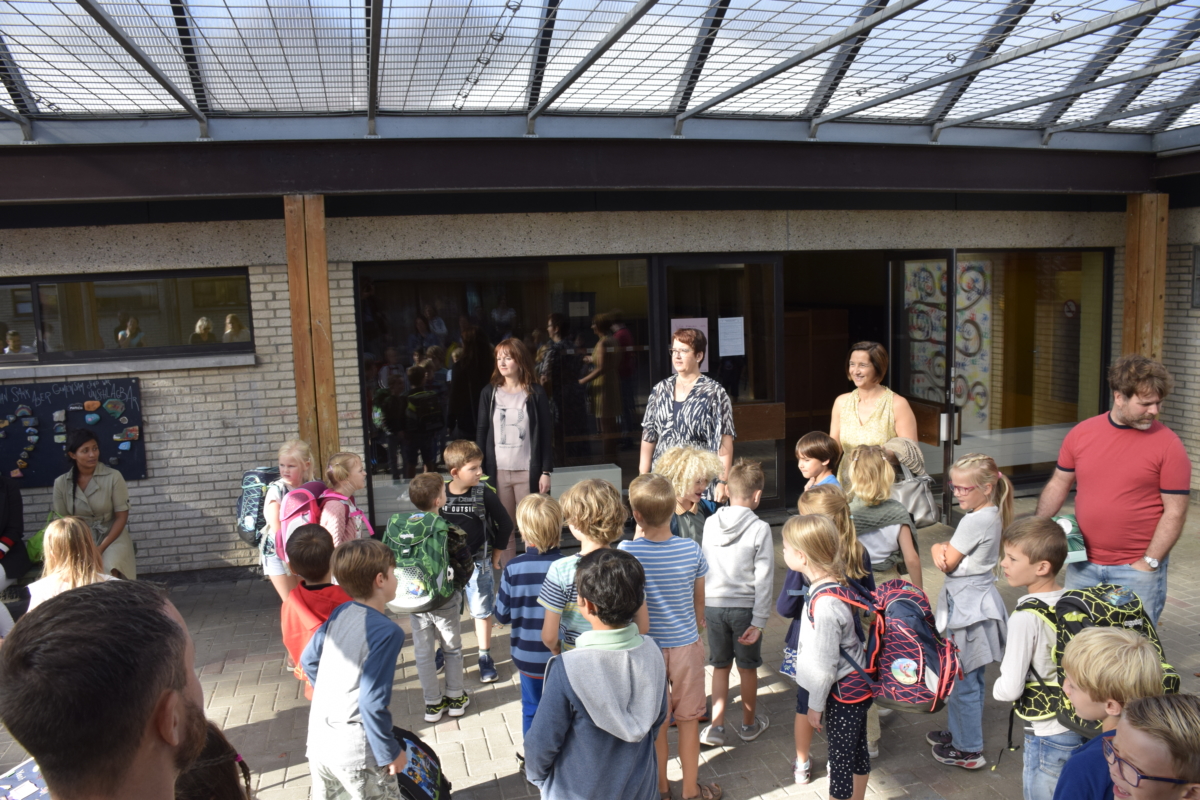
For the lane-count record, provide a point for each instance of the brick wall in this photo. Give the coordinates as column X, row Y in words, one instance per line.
column 1181, row 354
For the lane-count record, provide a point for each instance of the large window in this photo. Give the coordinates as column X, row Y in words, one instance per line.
column 125, row 316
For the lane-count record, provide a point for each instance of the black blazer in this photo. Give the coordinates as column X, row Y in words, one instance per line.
column 12, row 527
column 541, row 433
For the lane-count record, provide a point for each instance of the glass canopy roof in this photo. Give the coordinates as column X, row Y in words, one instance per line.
column 1085, row 74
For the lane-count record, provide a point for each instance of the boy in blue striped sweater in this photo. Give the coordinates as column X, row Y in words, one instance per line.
column 539, row 519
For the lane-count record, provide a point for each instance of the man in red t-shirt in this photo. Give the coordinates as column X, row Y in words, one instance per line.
column 1132, row 477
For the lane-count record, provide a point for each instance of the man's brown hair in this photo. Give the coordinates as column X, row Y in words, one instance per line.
column 425, row 489
column 357, row 562
column 461, row 452
column 746, row 478
column 1040, row 539
column 1136, row 374
column 309, row 549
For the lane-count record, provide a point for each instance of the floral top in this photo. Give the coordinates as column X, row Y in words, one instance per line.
column 705, row 416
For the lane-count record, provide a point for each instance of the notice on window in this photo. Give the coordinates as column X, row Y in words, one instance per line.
column 578, row 309
column 731, row 336
column 699, row 323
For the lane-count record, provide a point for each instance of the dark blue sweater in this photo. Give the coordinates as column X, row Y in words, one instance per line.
column 1085, row 775
column 517, row 605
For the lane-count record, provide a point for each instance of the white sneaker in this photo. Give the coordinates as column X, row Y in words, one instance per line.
column 873, row 749
column 883, row 712
column 713, row 735
column 802, row 773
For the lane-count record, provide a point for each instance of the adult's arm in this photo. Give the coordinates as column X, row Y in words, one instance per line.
column 650, row 431
column 835, row 419
column 62, row 488
column 725, row 453
column 483, row 419
column 1056, row 491
column 541, row 405
column 1166, row 533
column 120, row 507
column 906, row 420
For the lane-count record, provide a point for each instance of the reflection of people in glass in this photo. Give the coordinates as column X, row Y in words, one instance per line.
column 472, row 372
column 558, row 372
column 504, row 317
column 689, row 409
column 421, row 337
column 606, row 386
column 391, row 367
column 133, row 335
column 14, row 344
column 204, row 332
column 235, row 331
column 436, row 324
column 627, row 372
column 122, row 322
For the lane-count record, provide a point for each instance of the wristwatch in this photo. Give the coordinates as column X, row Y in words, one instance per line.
column 1153, row 562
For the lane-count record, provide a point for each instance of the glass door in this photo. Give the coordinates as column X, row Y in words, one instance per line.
column 733, row 300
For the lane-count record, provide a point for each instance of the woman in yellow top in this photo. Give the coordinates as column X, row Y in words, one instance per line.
column 872, row 413
column 96, row 493
column 606, row 386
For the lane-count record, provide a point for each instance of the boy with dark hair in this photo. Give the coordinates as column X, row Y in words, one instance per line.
column 351, row 661
column 309, row 549
column 474, row 506
column 605, row 701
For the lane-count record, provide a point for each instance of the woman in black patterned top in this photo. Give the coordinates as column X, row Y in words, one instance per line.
column 689, row 408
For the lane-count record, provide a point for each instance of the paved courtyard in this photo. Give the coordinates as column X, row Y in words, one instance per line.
column 251, row 693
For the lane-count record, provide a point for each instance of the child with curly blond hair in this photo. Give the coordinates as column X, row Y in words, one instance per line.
column 690, row 470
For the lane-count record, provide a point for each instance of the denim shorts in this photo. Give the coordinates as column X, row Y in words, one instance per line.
column 725, row 625
column 481, row 594
column 1045, row 757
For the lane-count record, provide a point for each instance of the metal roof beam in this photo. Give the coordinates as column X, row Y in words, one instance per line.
column 1181, row 103
column 847, row 34
column 14, row 82
column 1171, row 115
column 610, row 38
column 1100, row 61
column 24, row 122
column 1006, row 22
column 1184, row 38
column 537, row 71
column 375, row 10
column 187, row 45
column 705, row 36
column 110, row 26
column 1145, row 74
column 1045, row 43
column 840, row 64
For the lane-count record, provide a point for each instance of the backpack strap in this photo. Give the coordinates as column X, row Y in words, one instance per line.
column 353, row 509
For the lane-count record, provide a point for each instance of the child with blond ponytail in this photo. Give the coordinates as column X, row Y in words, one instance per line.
column 969, row 607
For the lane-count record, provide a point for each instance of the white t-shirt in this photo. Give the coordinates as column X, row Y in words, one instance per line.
column 43, row 589
column 978, row 539
column 510, row 430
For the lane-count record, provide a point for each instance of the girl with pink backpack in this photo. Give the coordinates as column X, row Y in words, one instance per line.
column 344, row 476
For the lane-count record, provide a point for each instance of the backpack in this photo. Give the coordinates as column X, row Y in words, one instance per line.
column 424, row 412
column 858, row 686
column 299, row 507
column 422, row 777
column 250, row 521
column 424, row 577
column 1106, row 605
column 353, row 510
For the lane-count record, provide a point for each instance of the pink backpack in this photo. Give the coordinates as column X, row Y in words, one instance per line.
column 351, row 509
column 300, row 507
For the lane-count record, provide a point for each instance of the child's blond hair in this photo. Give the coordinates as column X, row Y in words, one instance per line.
column 593, row 508
column 831, row 502
column 870, row 475
column 683, row 466
column 461, row 452
column 358, row 562
column 1113, row 664
column 339, row 468
column 300, row 449
column 1174, row 720
column 70, row 553
column 653, row 497
column 540, row 520
column 746, row 478
column 981, row 470
column 816, row 536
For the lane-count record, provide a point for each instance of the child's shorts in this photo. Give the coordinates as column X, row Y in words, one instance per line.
column 801, row 700
column 686, row 698
column 481, row 592
column 725, row 625
column 273, row 565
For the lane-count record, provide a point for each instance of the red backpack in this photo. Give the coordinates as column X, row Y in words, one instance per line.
column 916, row 666
column 300, row 507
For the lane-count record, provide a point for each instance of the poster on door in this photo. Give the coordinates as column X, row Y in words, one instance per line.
column 925, row 309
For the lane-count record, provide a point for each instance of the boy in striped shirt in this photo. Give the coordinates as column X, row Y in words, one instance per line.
column 539, row 519
column 675, row 570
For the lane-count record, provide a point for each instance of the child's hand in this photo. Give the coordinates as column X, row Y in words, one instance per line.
column 397, row 766
column 750, row 636
column 814, row 719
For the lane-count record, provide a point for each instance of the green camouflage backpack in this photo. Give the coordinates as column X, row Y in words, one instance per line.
column 424, row 573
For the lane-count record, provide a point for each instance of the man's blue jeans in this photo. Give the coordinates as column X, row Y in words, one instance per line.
column 1151, row 587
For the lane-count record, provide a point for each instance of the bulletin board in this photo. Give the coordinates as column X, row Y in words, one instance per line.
column 35, row 419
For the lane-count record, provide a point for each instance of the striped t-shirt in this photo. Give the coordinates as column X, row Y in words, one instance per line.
column 672, row 569
column 517, row 605
column 559, row 595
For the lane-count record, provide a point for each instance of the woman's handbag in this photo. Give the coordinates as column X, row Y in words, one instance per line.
column 916, row 494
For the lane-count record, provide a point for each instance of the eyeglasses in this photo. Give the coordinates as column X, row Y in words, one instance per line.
column 680, row 353
column 959, row 491
column 1127, row 771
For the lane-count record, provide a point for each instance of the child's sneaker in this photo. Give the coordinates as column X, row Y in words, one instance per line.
column 713, row 735
column 487, row 669
column 748, row 733
column 946, row 754
column 457, row 705
column 434, row 712
column 939, row 737
column 802, row 773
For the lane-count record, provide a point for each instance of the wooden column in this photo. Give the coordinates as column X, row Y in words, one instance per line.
column 312, row 337
column 1145, row 274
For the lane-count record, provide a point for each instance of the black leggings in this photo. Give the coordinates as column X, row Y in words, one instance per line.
column 846, row 731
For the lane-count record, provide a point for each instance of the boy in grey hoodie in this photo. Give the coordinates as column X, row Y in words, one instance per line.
column 738, row 590
column 603, row 702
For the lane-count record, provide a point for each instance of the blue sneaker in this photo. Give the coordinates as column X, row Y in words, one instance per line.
column 487, row 670
column 439, row 659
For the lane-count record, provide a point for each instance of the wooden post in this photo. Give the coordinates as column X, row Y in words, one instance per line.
column 312, row 339
column 1145, row 274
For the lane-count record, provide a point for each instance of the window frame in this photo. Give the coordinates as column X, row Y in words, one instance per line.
column 52, row 357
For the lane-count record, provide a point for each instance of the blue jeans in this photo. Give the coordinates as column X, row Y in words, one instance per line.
column 964, row 708
column 1151, row 587
column 1044, row 760
column 531, row 695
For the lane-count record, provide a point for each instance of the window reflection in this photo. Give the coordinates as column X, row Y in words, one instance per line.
column 16, row 323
